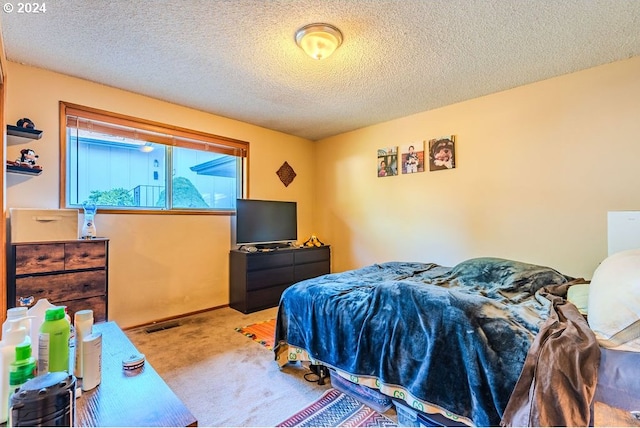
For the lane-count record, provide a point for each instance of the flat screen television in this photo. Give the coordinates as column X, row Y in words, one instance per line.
column 265, row 223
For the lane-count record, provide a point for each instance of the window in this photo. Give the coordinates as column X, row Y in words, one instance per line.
column 124, row 164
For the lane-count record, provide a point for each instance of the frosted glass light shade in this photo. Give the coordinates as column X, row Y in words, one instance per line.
column 319, row 40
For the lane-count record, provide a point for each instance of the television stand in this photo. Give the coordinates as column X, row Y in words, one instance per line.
column 257, row 279
column 273, row 246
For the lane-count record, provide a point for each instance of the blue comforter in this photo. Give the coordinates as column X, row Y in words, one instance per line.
column 453, row 337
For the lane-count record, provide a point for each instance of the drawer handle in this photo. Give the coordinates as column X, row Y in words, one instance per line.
column 47, row 218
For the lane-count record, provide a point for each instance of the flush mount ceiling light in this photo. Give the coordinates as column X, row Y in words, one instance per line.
column 319, row 40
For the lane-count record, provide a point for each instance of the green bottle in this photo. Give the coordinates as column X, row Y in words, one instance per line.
column 22, row 369
column 53, row 342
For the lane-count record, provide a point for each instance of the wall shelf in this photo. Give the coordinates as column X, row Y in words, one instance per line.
column 33, row 134
column 24, row 170
column 27, row 133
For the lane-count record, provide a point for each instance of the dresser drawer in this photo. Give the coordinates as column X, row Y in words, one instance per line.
column 311, row 255
column 269, row 277
column 39, row 258
column 97, row 304
column 265, row 298
column 269, row 260
column 66, row 286
column 85, row 255
column 311, row 270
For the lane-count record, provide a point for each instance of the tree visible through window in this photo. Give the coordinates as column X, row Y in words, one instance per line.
column 119, row 197
column 123, row 163
column 185, row 195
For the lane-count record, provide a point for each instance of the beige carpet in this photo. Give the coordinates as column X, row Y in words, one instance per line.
column 226, row 379
column 223, row 377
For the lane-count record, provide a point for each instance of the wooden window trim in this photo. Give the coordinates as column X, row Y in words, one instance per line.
column 155, row 132
column 127, row 126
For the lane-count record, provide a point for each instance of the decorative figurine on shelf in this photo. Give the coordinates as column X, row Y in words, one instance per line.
column 313, row 241
column 28, row 157
column 25, row 164
column 25, row 123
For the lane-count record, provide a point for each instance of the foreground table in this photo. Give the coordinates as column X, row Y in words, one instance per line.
column 139, row 398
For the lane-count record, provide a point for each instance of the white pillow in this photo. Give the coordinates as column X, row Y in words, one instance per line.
column 579, row 295
column 614, row 301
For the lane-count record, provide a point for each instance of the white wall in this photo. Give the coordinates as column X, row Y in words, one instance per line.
column 160, row 265
column 538, row 167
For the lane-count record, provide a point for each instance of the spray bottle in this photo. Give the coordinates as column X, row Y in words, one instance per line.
column 15, row 335
column 89, row 225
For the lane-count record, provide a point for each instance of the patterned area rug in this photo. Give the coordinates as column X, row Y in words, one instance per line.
column 335, row 409
column 262, row 332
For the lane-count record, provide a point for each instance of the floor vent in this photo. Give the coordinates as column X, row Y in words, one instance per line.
column 162, row 326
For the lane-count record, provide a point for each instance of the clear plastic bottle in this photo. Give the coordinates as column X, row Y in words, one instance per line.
column 53, row 342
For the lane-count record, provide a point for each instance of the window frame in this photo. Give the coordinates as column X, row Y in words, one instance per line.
column 158, row 133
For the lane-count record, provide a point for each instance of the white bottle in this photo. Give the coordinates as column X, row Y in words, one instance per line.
column 15, row 335
column 37, row 311
column 91, row 361
column 83, row 321
column 19, row 312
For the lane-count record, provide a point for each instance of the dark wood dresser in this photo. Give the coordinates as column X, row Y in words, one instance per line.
column 66, row 273
column 256, row 280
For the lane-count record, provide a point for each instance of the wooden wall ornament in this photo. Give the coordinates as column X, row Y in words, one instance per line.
column 286, row 174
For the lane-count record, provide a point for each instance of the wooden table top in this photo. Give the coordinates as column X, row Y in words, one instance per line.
column 139, row 398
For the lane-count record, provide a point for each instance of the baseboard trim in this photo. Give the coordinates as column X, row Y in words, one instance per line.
column 175, row 317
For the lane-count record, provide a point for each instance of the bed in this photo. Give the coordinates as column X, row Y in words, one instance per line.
column 487, row 342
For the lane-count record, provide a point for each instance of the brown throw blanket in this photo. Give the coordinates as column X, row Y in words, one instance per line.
column 559, row 377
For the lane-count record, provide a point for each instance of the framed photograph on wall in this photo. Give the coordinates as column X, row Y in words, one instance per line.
column 412, row 157
column 442, row 153
column 387, row 162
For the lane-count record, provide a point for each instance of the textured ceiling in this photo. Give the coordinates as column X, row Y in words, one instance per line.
column 238, row 58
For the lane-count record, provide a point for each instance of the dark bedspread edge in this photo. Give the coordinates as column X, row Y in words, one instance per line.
column 288, row 353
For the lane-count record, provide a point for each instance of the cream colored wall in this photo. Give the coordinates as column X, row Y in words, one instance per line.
column 538, row 167
column 160, row 265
